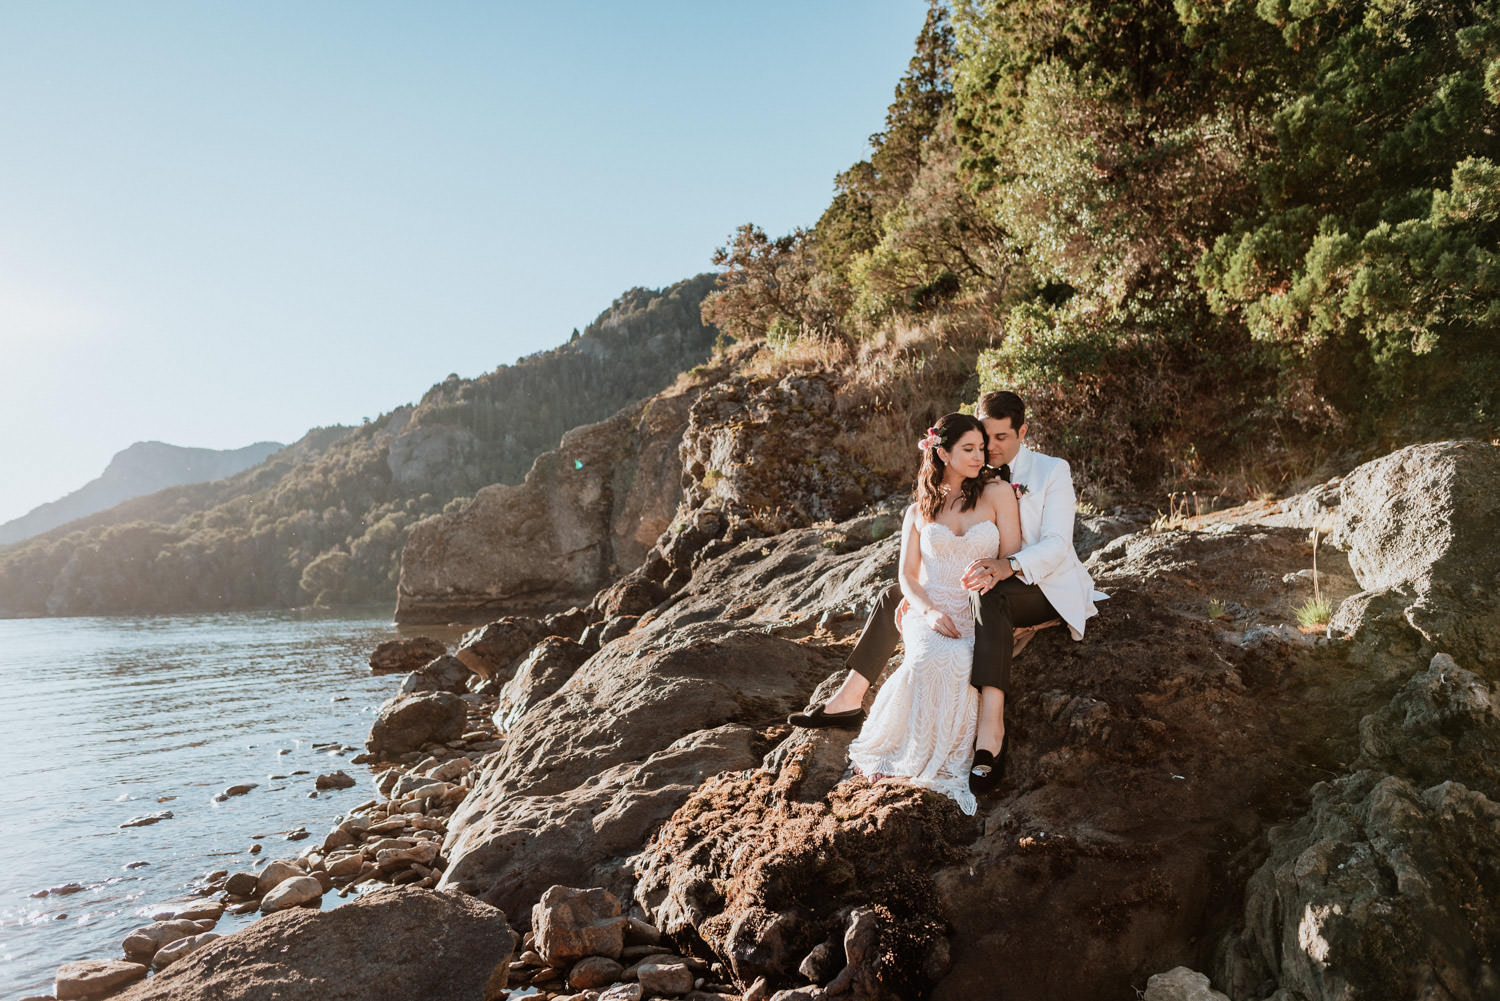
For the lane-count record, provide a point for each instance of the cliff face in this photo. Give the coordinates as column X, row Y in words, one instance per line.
column 324, row 521
column 143, row 468
column 741, row 451
column 587, row 510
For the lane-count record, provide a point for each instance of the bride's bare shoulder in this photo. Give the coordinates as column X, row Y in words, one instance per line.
column 999, row 496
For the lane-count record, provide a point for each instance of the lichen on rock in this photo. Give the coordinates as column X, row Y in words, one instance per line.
column 762, row 878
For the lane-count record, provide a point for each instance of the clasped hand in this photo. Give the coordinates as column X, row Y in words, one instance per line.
column 981, row 575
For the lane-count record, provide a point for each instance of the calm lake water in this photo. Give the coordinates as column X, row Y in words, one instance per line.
column 107, row 719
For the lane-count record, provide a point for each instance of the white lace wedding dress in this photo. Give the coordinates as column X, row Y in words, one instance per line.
column 921, row 727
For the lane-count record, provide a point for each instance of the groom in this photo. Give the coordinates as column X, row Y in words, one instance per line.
column 1042, row 582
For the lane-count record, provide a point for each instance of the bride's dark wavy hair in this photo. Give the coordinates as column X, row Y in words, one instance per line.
column 928, row 494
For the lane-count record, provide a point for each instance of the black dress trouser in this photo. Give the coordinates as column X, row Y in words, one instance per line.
column 1009, row 605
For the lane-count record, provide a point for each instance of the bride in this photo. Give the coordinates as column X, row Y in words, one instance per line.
column 922, row 725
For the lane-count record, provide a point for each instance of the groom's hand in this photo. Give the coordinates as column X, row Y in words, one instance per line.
column 982, row 575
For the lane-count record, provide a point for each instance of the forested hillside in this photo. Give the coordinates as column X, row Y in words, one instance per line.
column 1196, row 235
column 324, row 520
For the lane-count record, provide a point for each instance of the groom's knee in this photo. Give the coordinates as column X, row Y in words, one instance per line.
column 884, row 609
column 992, row 608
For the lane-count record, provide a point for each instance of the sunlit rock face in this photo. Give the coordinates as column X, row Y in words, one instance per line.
column 587, row 510
column 1420, row 526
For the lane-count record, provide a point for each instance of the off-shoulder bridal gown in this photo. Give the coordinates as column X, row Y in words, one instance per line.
column 921, row 727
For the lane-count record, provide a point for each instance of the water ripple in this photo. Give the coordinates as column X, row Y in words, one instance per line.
column 106, row 719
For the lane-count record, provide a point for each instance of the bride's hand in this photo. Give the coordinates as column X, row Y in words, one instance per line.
column 939, row 622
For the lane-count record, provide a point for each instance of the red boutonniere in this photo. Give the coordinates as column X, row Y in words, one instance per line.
column 1021, row 490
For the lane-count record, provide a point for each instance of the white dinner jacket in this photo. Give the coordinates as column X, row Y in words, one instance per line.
column 1047, row 557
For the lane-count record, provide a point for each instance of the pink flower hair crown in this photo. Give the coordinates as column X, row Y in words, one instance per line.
column 932, row 440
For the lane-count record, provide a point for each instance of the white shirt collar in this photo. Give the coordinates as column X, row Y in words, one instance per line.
column 1020, row 462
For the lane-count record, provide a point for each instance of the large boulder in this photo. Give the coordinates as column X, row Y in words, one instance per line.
column 87, row 979
column 574, row 788
column 491, row 651
column 403, row 655
column 445, row 674
column 509, row 848
column 570, row 924
column 1419, row 526
column 407, row 722
column 587, row 509
column 397, row 942
column 1382, row 889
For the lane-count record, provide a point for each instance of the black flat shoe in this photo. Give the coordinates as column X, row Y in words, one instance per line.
column 822, row 719
column 984, row 763
column 988, row 769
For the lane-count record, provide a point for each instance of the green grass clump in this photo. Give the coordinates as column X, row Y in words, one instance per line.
column 1315, row 611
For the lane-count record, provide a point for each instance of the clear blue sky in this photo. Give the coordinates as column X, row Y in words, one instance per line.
column 229, row 222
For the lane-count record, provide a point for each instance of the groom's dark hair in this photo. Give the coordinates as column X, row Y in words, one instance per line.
column 1002, row 406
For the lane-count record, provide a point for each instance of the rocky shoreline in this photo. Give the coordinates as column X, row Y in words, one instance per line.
column 581, row 938
column 1205, row 800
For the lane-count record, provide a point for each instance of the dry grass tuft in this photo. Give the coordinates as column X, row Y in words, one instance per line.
column 891, row 384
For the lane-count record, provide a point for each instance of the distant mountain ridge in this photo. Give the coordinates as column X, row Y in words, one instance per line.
column 143, row 468
column 324, row 519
